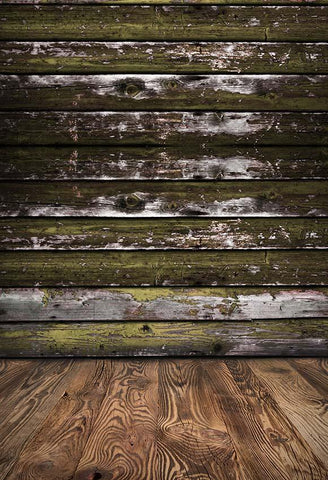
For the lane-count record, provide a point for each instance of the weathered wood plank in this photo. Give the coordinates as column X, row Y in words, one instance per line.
column 158, row 2
column 164, row 92
column 257, row 338
column 163, row 57
column 123, row 442
column 165, row 304
column 149, row 234
column 178, row 23
column 165, row 199
column 56, row 448
column 173, row 268
column 163, row 128
column 163, row 163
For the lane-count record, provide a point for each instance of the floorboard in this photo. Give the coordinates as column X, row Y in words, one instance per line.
column 164, row 419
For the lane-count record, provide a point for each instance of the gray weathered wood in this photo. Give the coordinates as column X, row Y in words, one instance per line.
column 158, row 2
column 163, row 57
column 163, row 128
column 164, row 92
column 258, row 338
column 179, row 23
column 163, row 163
column 164, row 268
column 161, row 304
column 165, row 199
column 169, row 233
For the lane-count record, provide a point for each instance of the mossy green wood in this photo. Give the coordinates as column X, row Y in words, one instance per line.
column 163, row 128
column 172, row 268
column 161, row 304
column 164, row 92
column 165, row 199
column 257, row 338
column 179, row 23
column 186, row 162
column 163, row 57
column 168, row 233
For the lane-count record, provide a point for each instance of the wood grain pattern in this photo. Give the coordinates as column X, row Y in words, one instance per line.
column 164, row 199
column 257, row 423
column 70, row 423
column 163, row 57
column 173, row 268
column 167, row 304
column 26, row 407
column 295, row 337
column 149, row 234
column 168, row 418
column 314, row 371
column 291, row 390
column 123, row 441
column 163, row 128
column 164, row 92
column 163, row 163
column 149, row 22
column 192, row 438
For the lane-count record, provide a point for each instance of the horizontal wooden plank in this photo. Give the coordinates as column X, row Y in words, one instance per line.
column 163, row 163
column 258, row 338
column 177, row 23
column 161, row 304
column 165, row 199
column 163, row 57
column 163, row 128
column 172, row 233
column 164, row 92
column 167, row 2
column 166, row 268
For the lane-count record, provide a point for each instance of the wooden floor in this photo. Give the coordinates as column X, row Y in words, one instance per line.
column 164, row 419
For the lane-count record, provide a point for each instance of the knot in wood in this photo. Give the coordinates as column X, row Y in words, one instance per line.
column 131, row 202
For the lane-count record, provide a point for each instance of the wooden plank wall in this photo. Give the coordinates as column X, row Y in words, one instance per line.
column 164, row 177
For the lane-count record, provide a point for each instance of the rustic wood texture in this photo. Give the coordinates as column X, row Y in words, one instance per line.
column 178, row 23
column 128, row 123
column 259, row 421
column 128, row 423
column 163, row 163
column 70, row 423
column 28, row 405
column 171, row 233
column 158, row 2
column 120, row 339
column 289, row 389
column 163, row 128
column 156, row 304
column 173, row 268
column 167, row 419
column 164, row 92
column 163, row 57
column 165, row 199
